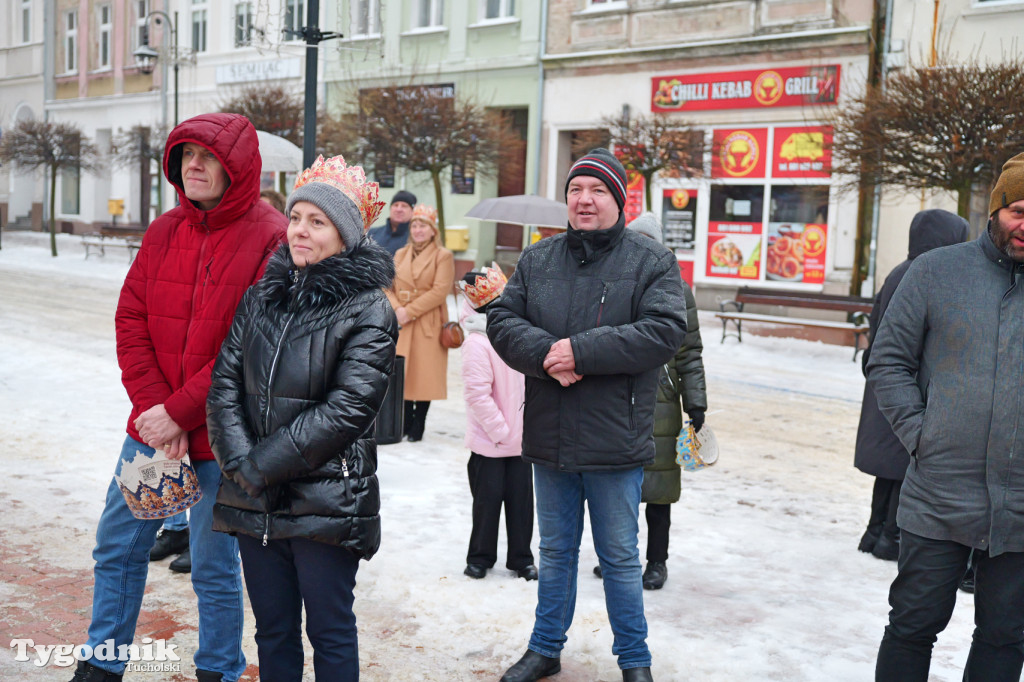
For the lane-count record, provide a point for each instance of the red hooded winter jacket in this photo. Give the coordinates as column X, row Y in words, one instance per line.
column 181, row 292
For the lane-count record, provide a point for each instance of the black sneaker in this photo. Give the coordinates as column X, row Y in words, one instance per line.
column 169, row 542
column 597, row 572
column 183, row 564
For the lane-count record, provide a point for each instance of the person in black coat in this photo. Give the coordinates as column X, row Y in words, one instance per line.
column 879, row 452
column 295, row 392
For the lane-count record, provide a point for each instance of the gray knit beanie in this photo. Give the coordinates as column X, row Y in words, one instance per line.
column 647, row 223
column 338, row 208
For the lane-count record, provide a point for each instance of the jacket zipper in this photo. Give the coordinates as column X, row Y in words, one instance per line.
column 192, row 300
column 344, row 473
column 600, row 309
column 266, row 527
column 632, row 404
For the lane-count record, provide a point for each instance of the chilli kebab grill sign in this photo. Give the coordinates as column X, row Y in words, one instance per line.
column 786, row 87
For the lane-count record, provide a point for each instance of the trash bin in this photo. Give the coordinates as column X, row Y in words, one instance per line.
column 392, row 412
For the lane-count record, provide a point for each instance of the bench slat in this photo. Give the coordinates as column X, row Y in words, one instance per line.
column 807, row 322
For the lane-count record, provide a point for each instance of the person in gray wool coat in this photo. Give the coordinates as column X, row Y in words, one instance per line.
column 947, row 368
column 879, row 452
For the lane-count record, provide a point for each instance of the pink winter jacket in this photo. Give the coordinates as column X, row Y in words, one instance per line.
column 493, row 391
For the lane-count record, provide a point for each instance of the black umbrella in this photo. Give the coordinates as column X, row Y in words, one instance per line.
column 522, row 209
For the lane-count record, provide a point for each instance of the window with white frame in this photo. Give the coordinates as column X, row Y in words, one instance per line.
column 497, row 9
column 606, row 4
column 141, row 34
column 243, row 24
column 71, row 41
column 104, row 21
column 294, row 17
column 26, row 21
column 199, row 25
column 70, row 191
column 365, row 18
column 427, row 13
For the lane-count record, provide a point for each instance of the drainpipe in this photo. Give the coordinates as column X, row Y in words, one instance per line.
column 868, row 286
column 538, row 128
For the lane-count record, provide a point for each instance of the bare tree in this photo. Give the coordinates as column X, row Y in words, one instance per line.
column 53, row 147
column 424, row 128
column 649, row 144
column 274, row 109
column 139, row 147
column 948, row 127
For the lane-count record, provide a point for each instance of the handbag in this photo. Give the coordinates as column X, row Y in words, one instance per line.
column 451, row 335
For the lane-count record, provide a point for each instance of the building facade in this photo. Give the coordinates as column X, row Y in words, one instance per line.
column 484, row 51
column 23, row 64
column 756, row 77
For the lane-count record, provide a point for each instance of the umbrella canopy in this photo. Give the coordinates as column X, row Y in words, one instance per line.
column 278, row 154
column 522, row 209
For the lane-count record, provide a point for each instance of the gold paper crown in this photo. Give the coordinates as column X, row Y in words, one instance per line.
column 349, row 180
column 485, row 290
column 425, row 213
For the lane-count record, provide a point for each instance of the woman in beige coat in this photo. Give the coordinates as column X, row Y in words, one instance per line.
column 425, row 272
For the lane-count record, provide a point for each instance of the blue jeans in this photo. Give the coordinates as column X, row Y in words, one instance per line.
column 177, row 522
column 122, row 562
column 613, row 498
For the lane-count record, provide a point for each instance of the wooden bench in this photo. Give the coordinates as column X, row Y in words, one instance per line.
column 118, row 236
column 856, row 308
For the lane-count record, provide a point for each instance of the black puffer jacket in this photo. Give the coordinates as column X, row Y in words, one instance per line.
column 682, row 377
column 618, row 297
column 296, row 388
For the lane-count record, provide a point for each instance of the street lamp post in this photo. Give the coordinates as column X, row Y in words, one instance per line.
column 146, row 56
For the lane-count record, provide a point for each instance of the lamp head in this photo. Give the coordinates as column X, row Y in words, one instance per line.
column 145, row 58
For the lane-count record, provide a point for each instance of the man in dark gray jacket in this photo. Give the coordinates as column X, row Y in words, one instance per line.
column 589, row 317
column 947, row 368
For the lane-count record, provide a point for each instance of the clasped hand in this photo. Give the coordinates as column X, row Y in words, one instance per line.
column 560, row 363
column 159, row 431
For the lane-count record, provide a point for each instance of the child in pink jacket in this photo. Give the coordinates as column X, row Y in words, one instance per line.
column 494, row 407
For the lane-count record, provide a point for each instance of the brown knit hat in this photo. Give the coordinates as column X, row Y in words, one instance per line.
column 1010, row 185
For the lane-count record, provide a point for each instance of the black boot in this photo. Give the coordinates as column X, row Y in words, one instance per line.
column 475, row 571
column 408, row 416
column 207, row 676
column 637, row 675
column 887, row 547
column 598, row 572
column 527, row 572
column 655, row 576
column 87, row 672
column 169, row 542
column 870, row 538
column 183, row 564
column 419, row 420
column 532, row 667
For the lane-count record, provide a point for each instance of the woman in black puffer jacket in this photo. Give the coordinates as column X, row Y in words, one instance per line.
column 295, row 392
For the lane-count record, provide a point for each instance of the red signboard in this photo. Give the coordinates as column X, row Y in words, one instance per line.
column 785, row 87
column 739, row 153
column 804, row 152
column 734, row 250
column 796, row 252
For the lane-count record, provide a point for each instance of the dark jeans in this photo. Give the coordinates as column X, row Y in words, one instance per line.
column 497, row 481
column 283, row 576
column 659, row 519
column 922, row 599
column 885, row 501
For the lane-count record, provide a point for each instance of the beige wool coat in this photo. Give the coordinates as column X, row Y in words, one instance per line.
column 422, row 285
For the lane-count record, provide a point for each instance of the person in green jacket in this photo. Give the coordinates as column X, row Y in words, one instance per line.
column 682, row 377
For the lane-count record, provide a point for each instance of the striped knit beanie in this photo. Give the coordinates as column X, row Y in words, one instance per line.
column 601, row 164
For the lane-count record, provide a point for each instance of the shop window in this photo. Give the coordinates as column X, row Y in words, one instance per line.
column 797, row 234
column 734, row 231
column 799, row 204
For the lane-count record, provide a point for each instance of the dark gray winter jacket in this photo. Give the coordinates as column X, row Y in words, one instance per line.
column 948, row 370
column 295, row 392
column 618, row 297
column 681, row 378
column 879, row 452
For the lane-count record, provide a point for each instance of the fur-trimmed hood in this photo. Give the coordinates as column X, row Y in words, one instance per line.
column 327, row 283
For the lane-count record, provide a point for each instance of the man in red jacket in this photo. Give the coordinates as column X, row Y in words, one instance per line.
column 175, row 309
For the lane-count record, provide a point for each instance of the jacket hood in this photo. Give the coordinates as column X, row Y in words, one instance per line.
column 329, row 282
column 933, row 228
column 232, row 139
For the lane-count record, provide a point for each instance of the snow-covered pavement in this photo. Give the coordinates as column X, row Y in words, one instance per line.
column 765, row 582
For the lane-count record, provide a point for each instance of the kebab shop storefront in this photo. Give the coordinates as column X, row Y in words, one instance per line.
column 761, row 214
